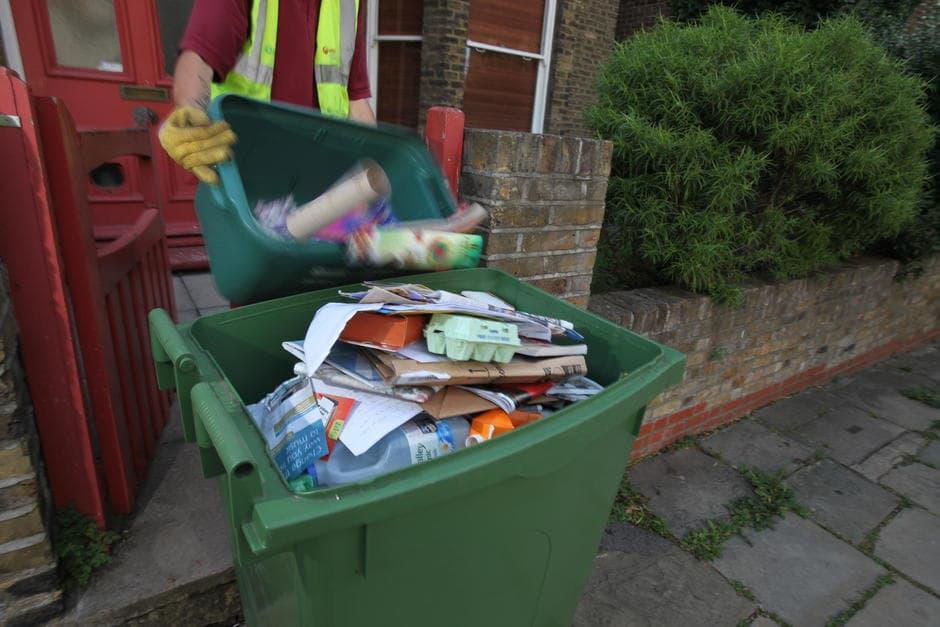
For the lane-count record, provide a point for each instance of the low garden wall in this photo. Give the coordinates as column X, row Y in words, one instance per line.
column 784, row 337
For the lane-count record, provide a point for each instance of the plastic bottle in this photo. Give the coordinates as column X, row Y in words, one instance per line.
column 418, row 440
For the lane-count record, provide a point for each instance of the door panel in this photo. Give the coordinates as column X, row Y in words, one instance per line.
column 85, row 35
column 110, row 61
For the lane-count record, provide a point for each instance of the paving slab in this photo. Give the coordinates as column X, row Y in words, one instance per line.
column 848, row 434
column 749, row 443
column 202, row 289
column 763, row 621
column 177, row 549
column 841, row 500
column 687, row 488
column 798, row 571
column 899, row 603
column 208, row 311
column 911, row 543
column 923, row 361
column 931, row 454
column 186, row 315
column 181, row 294
column 879, row 391
column 917, row 482
column 641, row 579
column 789, row 413
column 889, row 455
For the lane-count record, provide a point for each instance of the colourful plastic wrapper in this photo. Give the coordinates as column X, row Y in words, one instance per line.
column 414, row 249
column 496, row 422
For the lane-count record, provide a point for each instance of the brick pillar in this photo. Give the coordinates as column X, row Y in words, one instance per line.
column 545, row 195
column 584, row 38
column 28, row 583
column 443, row 54
column 638, row 15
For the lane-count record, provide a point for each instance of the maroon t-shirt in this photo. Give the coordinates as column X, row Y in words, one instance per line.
column 217, row 31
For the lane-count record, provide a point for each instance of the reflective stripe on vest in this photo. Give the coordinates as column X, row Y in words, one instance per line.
column 253, row 73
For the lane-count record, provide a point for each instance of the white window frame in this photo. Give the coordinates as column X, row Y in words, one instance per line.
column 544, row 58
column 374, row 39
column 11, row 45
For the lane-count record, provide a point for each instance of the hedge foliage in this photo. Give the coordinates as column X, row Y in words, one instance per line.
column 751, row 145
column 908, row 29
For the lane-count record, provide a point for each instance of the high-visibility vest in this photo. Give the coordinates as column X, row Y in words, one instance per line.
column 253, row 73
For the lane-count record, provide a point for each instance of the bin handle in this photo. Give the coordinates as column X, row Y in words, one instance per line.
column 167, row 343
column 227, row 441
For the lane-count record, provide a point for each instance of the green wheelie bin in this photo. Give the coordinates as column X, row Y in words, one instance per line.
column 498, row 534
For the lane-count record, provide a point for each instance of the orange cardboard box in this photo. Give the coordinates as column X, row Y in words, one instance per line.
column 392, row 332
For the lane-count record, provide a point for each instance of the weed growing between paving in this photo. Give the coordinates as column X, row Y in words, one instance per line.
column 843, row 617
column 743, row 590
column 772, row 498
column 867, row 545
column 925, row 395
column 630, row 506
column 687, row 441
column 762, row 612
column 80, row 546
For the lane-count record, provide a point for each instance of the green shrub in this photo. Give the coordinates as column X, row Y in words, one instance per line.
column 908, row 29
column 749, row 145
column 884, row 18
column 919, row 44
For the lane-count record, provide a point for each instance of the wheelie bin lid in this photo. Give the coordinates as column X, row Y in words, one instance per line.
column 286, row 149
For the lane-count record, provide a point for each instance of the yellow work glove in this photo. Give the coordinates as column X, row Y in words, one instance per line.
column 196, row 143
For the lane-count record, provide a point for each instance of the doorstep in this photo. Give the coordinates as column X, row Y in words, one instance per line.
column 174, row 565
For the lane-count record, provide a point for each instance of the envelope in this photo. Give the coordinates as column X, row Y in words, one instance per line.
column 451, row 401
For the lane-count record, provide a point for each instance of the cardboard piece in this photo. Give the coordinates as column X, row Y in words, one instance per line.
column 408, row 372
column 388, row 331
column 453, row 401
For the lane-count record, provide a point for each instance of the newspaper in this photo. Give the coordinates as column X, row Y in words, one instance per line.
column 415, row 298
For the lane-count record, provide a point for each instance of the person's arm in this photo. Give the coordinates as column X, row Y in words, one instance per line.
column 214, row 35
column 359, row 92
column 361, row 111
column 192, row 81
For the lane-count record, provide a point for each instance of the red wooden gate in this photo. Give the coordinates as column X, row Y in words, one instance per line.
column 82, row 310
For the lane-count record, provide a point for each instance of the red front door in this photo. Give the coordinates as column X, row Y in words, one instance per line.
column 111, row 62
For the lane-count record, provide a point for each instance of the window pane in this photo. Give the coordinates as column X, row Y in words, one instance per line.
column 500, row 91
column 172, row 15
column 399, row 17
column 514, row 24
column 399, row 78
column 85, row 34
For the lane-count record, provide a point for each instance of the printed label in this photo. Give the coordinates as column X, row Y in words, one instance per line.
column 428, row 439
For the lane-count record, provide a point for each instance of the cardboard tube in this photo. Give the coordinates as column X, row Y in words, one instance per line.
column 361, row 189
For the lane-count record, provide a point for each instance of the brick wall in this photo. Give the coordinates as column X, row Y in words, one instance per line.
column 28, row 581
column 639, row 14
column 545, row 195
column 443, row 52
column 784, row 338
column 584, row 38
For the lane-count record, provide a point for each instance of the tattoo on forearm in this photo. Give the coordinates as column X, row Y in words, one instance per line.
column 202, row 99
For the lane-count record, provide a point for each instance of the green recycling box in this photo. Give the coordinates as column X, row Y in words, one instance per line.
column 286, row 149
column 498, row 534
